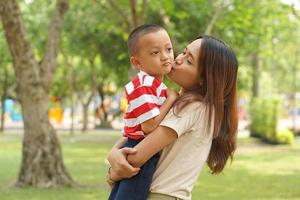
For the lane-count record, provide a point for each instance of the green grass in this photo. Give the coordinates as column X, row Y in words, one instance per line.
column 258, row 172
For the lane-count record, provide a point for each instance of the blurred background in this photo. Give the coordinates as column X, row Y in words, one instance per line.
column 86, row 101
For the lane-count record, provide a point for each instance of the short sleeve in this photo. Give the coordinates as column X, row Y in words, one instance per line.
column 187, row 119
column 146, row 105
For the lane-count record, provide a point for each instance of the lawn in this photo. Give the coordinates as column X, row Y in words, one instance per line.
column 258, row 172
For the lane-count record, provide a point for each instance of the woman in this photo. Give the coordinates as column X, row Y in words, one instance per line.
column 200, row 128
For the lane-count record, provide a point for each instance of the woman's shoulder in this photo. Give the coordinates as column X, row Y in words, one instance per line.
column 196, row 106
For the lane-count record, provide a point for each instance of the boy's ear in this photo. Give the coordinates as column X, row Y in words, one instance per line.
column 134, row 61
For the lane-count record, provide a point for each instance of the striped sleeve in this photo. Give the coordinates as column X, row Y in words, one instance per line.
column 145, row 105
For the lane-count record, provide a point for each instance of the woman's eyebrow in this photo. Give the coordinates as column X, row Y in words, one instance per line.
column 190, row 54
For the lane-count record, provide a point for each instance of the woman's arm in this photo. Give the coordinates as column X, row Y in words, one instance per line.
column 120, row 168
column 153, row 143
column 125, row 162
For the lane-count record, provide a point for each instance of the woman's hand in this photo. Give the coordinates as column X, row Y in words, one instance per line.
column 120, row 168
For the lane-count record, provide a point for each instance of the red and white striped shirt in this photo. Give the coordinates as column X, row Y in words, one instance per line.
column 145, row 94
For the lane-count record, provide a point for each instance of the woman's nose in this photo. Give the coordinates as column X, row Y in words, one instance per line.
column 178, row 61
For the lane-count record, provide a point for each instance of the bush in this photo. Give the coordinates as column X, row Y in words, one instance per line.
column 264, row 119
column 285, row 137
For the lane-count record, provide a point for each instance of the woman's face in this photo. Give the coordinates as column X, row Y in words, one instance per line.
column 185, row 71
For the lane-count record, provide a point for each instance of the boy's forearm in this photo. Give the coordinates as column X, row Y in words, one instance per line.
column 164, row 109
column 120, row 143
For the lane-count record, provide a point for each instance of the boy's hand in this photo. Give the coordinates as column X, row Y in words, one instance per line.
column 171, row 94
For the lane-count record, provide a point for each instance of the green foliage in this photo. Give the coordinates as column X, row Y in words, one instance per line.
column 6, row 68
column 96, row 29
column 285, row 137
column 265, row 115
column 266, row 28
column 92, row 28
column 37, row 16
column 264, row 118
column 244, row 80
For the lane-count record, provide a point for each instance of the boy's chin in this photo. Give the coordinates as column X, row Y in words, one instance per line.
column 169, row 75
column 168, row 70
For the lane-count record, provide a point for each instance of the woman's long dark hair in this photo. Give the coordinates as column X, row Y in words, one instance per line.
column 218, row 73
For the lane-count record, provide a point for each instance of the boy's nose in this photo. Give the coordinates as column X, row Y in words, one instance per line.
column 164, row 56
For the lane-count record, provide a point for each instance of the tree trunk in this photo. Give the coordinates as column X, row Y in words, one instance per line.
column 3, row 97
column 94, row 83
column 42, row 163
column 72, row 115
column 104, row 120
column 219, row 8
column 2, row 114
column 255, row 75
column 85, row 106
column 72, row 89
column 134, row 15
column 71, row 82
column 84, row 117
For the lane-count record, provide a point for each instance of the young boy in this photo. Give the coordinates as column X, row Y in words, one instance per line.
column 149, row 101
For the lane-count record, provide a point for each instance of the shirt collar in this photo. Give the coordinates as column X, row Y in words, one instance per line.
column 141, row 73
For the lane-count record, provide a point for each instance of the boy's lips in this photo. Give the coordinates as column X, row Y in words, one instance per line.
column 166, row 64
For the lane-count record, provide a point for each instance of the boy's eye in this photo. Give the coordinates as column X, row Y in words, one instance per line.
column 169, row 49
column 154, row 52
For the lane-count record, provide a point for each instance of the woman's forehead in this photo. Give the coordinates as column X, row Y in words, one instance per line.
column 195, row 44
column 194, row 47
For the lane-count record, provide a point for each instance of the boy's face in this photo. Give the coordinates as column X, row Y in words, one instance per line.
column 154, row 54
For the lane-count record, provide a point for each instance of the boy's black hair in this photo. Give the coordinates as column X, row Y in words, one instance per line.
column 139, row 31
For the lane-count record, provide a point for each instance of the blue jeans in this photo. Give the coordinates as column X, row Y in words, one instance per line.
column 138, row 186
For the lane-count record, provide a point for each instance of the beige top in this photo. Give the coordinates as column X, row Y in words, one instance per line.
column 181, row 162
